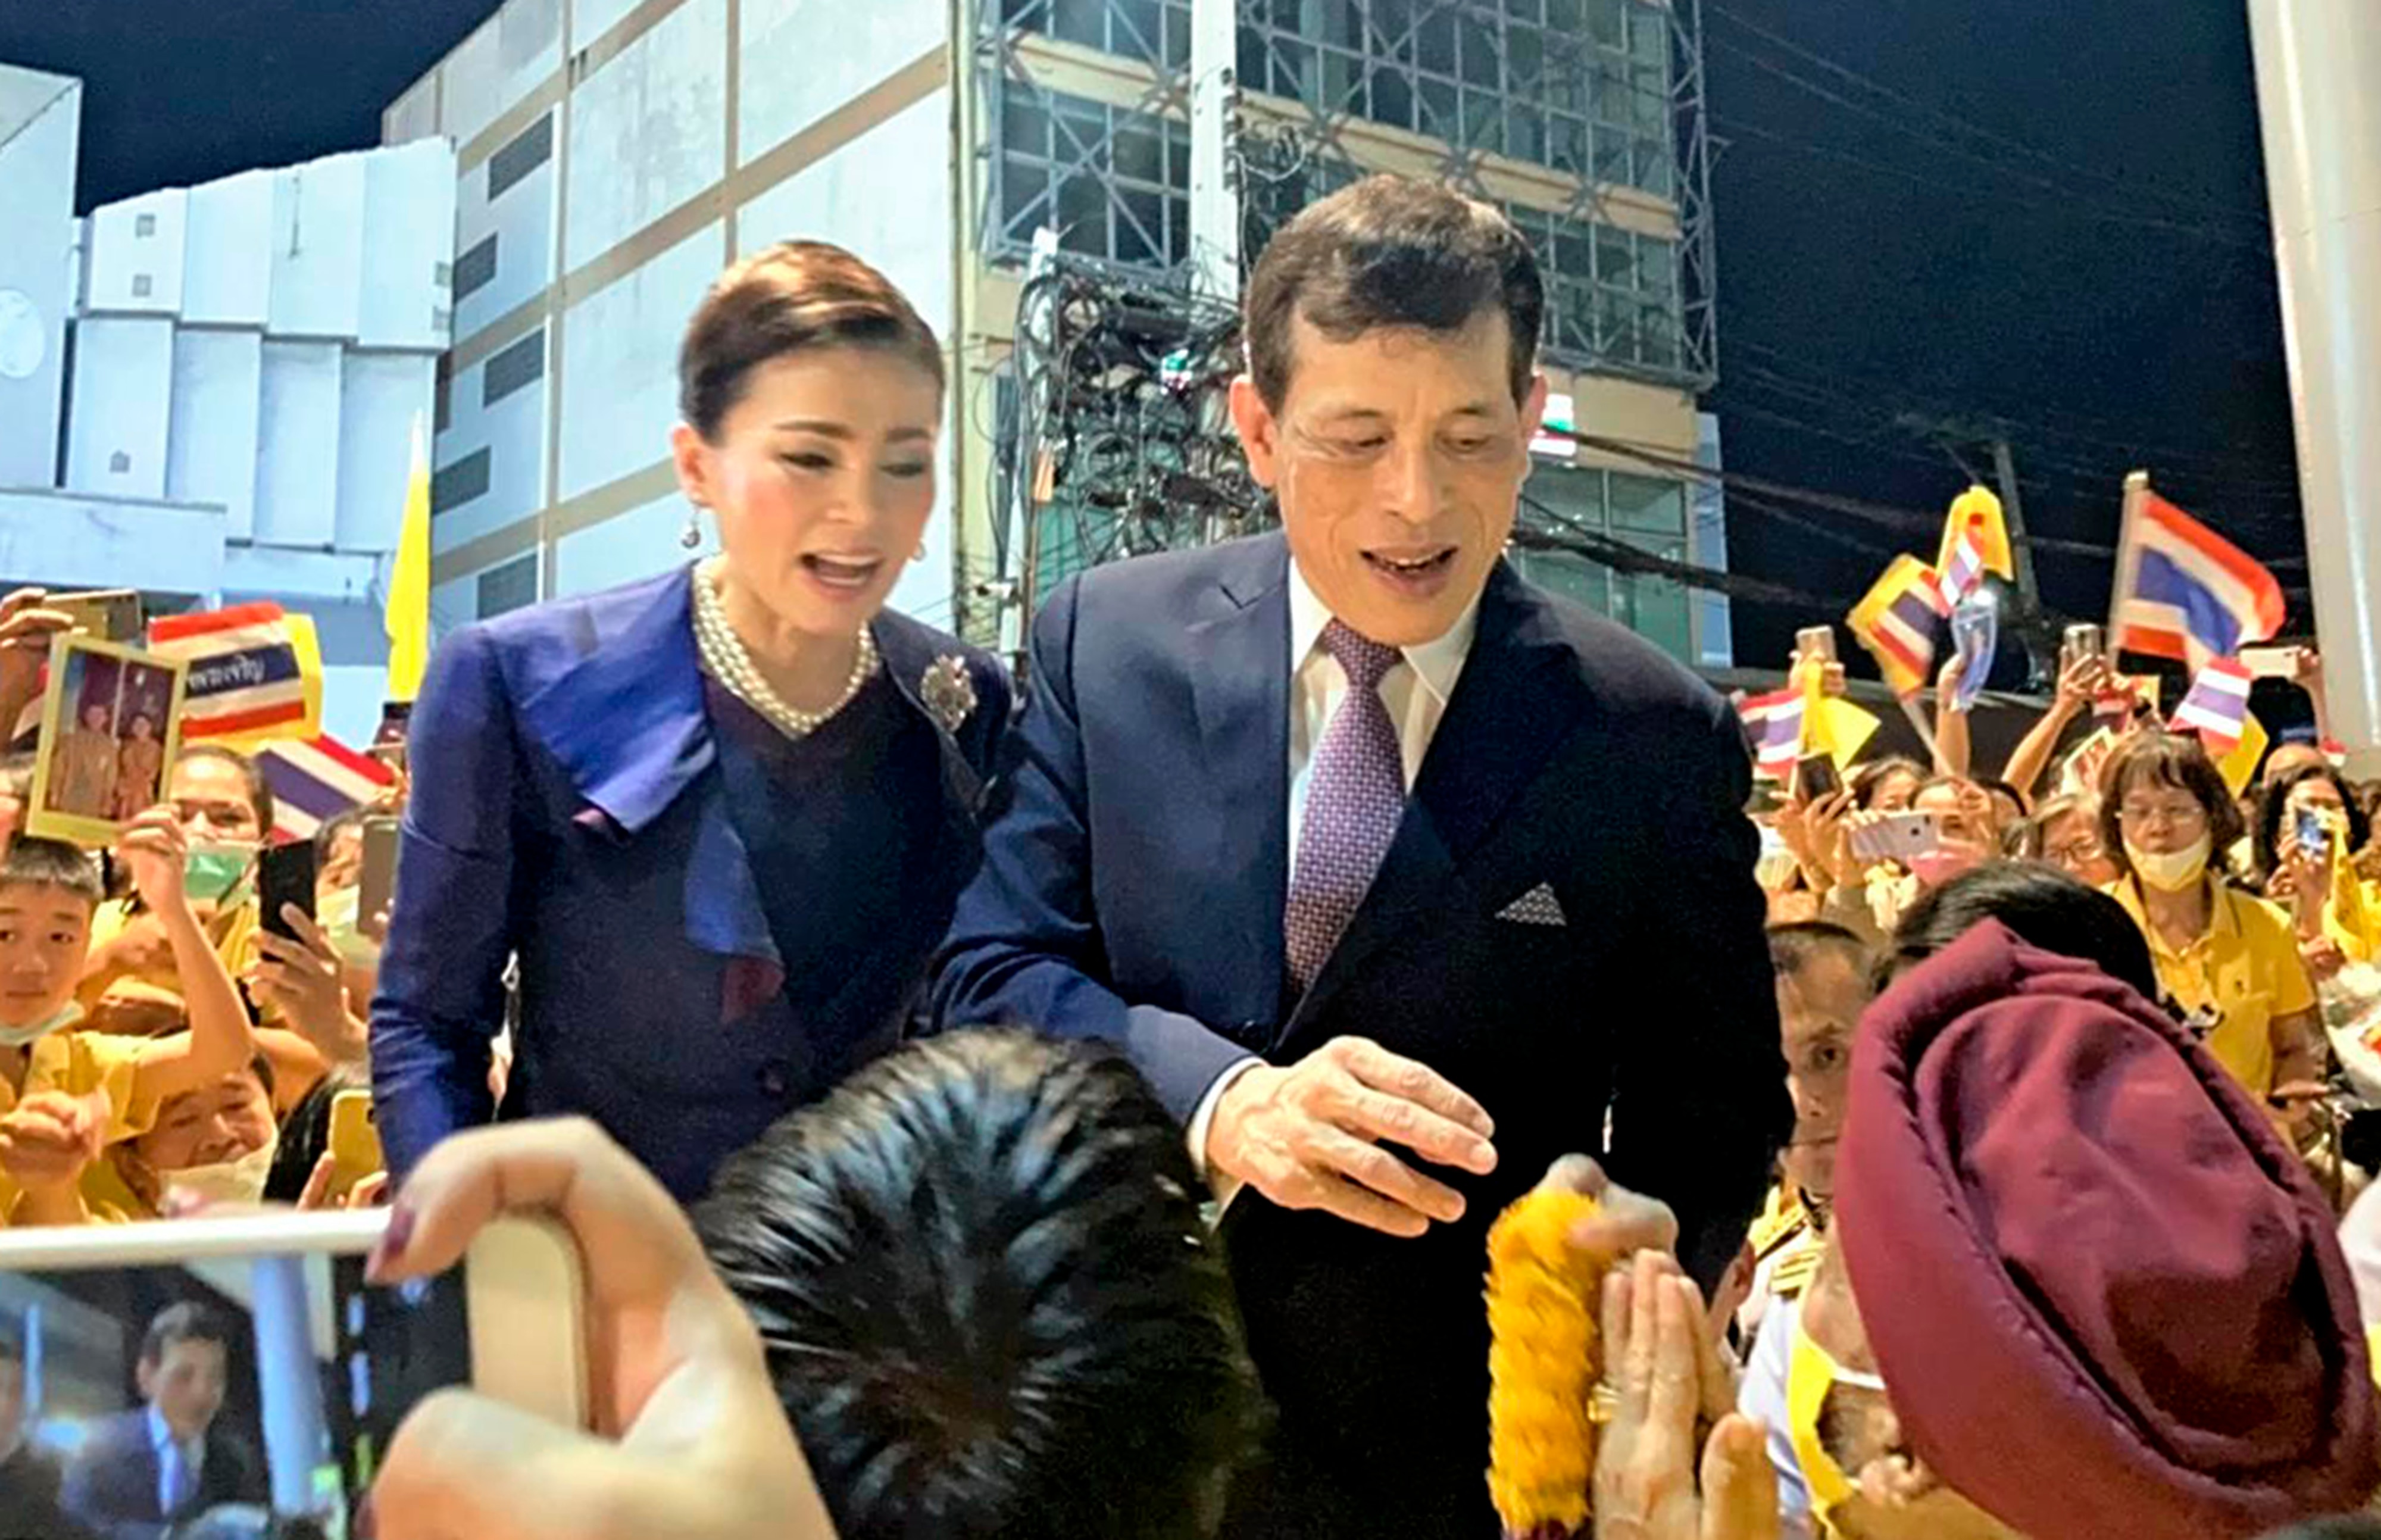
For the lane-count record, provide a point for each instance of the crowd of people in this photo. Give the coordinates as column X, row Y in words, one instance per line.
column 1074, row 1102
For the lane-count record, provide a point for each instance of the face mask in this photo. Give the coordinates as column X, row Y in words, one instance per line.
column 2174, row 871
column 237, row 1181
column 336, row 911
column 26, row 1036
column 1933, row 868
column 210, row 871
column 1811, row 1372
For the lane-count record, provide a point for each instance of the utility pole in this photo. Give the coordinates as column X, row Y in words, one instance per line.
column 2022, row 558
column 1214, row 149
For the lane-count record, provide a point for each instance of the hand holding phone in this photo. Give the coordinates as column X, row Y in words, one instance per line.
column 1900, row 836
column 718, row 1444
column 1815, row 776
column 285, row 880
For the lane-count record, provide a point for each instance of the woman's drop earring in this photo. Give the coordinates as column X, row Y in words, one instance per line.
column 692, row 536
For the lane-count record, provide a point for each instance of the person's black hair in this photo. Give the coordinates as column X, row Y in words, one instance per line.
column 2045, row 906
column 1794, row 946
column 1869, row 777
column 186, row 1322
column 52, row 863
column 305, row 1138
column 1392, row 253
column 252, row 775
column 326, row 837
column 990, row 1303
column 2274, row 801
column 2175, row 759
column 1990, row 784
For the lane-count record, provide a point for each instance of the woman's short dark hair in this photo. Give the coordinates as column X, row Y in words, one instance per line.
column 2033, row 834
column 1869, row 778
column 990, row 1303
column 797, row 296
column 2045, row 906
column 252, row 775
column 2176, row 759
column 1392, row 253
column 2274, row 801
column 1996, row 786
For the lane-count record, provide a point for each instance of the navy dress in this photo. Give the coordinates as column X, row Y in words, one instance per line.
column 713, row 924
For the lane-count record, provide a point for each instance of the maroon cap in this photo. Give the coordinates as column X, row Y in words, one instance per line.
column 2105, row 1297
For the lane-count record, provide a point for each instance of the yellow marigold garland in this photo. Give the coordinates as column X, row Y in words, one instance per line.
column 1543, row 1359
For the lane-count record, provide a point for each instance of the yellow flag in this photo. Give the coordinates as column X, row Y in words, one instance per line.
column 1978, row 510
column 407, row 618
column 2351, row 917
column 1832, row 726
column 2241, row 762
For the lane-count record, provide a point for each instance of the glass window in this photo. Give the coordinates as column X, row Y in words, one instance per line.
column 1080, row 21
column 1393, row 102
column 1616, row 257
column 1436, row 43
column 1653, row 504
column 1607, row 21
column 1569, row 574
column 1655, row 608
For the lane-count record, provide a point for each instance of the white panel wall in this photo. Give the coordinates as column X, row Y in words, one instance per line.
column 521, row 218
column 43, row 115
column 318, row 249
column 804, row 58
column 499, row 65
column 298, row 443
column 619, row 363
column 218, row 391
column 590, row 20
column 639, row 544
column 513, row 431
column 414, row 115
column 382, row 396
column 648, row 131
column 908, row 239
column 408, row 222
column 64, row 540
column 123, row 394
column 227, row 272
column 135, row 248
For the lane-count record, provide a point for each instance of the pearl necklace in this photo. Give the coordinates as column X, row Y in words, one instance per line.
column 725, row 659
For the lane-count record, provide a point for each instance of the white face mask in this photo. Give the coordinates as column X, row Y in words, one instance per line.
column 237, row 1181
column 31, row 1032
column 2172, row 871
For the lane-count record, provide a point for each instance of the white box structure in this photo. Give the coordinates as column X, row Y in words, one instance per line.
column 40, row 125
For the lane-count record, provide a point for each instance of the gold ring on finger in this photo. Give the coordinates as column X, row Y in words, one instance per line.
column 1602, row 1402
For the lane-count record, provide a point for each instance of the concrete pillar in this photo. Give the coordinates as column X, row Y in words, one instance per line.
column 2319, row 92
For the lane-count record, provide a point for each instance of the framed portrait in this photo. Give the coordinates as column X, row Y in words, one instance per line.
column 111, row 723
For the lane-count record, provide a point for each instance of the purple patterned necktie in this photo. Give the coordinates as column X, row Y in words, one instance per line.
column 1355, row 796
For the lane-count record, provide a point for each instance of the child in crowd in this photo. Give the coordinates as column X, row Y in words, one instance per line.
column 65, row 1095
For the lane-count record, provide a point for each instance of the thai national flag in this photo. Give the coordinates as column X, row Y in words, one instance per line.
column 253, row 670
column 2185, row 593
column 1964, row 573
column 314, row 780
column 1774, row 723
column 1898, row 622
column 2217, row 706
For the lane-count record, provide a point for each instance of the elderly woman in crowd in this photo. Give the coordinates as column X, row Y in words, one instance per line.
column 718, row 818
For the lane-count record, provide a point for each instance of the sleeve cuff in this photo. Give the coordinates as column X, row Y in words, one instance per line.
column 1205, row 1114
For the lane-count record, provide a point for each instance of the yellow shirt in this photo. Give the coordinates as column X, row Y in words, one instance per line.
column 2245, row 971
column 79, row 1063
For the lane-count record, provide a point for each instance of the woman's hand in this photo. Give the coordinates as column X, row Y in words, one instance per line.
column 2323, row 958
column 2081, row 683
column 690, row 1441
column 1655, row 1350
column 155, row 849
column 49, row 1139
column 26, row 631
column 304, row 982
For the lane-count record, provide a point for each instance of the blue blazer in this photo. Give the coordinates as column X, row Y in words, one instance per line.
column 1132, row 891
column 568, row 811
column 112, row 1485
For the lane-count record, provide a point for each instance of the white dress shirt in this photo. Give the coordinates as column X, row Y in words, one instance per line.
column 193, row 1454
column 1415, row 691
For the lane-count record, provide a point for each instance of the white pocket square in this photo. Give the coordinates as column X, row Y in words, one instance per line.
column 1537, row 906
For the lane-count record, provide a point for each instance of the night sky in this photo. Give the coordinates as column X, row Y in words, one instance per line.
column 2048, row 216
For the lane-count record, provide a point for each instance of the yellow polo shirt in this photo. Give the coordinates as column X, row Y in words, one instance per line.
column 2246, row 968
column 79, row 1063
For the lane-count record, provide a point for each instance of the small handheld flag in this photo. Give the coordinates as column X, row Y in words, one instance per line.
column 2183, row 591
column 2217, row 706
column 1773, row 722
column 1897, row 621
column 314, row 780
column 1976, row 518
column 255, row 672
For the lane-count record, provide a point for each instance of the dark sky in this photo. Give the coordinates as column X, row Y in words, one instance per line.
column 2051, row 215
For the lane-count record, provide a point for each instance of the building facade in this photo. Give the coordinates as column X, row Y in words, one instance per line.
column 210, row 393
column 613, row 156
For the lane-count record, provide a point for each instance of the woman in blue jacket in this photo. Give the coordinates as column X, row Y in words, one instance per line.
column 718, row 818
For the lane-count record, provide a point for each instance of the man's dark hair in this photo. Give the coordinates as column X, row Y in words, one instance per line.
column 2173, row 760
column 1392, row 253
column 1868, row 779
column 1794, row 947
column 990, row 1303
column 52, row 863
column 252, row 775
column 2274, row 801
column 2042, row 905
column 187, row 1322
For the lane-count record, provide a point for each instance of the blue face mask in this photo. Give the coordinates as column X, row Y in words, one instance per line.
column 210, row 871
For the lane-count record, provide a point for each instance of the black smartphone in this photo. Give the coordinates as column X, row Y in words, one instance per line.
column 284, row 877
column 1816, row 776
column 379, row 887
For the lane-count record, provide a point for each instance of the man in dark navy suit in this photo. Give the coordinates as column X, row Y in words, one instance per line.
column 1397, row 876
column 141, row 1473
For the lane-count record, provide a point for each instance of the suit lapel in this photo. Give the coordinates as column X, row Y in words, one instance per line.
column 1239, row 677
column 1513, row 705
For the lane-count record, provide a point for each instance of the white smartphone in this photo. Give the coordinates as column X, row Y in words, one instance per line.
column 1896, row 837
column 256, row 1341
